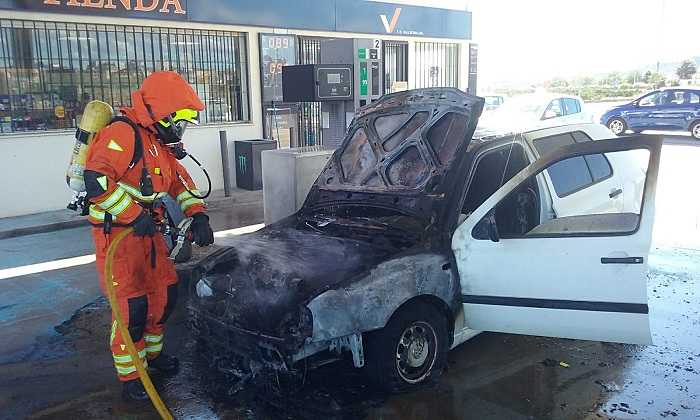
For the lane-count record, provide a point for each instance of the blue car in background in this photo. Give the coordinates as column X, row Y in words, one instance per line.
column 672, row 109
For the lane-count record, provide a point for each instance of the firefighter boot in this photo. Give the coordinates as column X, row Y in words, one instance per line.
column 165, row 363
column 133, row 390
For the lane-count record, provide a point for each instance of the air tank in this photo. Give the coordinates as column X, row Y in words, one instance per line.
column 96, row 116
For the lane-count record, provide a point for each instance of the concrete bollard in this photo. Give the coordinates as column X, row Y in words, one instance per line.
column 223, row 142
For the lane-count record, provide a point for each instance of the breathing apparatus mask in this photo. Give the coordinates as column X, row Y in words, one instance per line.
column 171, row 129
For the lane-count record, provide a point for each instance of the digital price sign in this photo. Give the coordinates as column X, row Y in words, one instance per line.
column 276, row 51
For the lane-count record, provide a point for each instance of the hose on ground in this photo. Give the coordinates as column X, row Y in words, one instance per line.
column 124, row 331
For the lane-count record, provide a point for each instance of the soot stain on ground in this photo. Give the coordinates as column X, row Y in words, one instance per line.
column 69, row 374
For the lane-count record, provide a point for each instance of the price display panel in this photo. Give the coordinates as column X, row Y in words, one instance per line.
column 276, row 51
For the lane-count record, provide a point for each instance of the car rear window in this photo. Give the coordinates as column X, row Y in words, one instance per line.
column 681, row 97
column 573, row 174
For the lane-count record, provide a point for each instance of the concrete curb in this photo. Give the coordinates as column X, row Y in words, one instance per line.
column 49, row 227
column 216, row 203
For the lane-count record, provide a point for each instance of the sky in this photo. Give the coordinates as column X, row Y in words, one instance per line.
column 536, row 40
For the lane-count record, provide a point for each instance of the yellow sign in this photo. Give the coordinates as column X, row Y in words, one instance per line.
column 60, row 112
column 399, row 86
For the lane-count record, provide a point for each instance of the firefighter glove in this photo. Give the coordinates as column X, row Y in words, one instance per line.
column 144, row 225
column 202, row 234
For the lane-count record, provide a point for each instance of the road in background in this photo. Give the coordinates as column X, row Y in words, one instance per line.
column 596, row 109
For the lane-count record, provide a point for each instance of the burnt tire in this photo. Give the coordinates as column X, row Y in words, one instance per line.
column 410, row 351
column 695, row 130
column 618, row 126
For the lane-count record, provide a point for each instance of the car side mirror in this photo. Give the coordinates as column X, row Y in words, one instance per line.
column 635, row 104
column 549, row 114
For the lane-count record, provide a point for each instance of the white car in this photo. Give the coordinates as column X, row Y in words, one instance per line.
column 492, row 102
column 415, row 237
column 530, row 112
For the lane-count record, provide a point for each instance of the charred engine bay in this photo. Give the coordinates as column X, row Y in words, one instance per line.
column 259, row 285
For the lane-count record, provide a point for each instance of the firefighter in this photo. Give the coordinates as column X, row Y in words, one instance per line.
column 131, row 164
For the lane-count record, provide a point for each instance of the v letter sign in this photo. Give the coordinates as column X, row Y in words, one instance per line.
column 394, row 20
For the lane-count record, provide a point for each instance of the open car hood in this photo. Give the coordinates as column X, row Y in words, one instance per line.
column 399, row 152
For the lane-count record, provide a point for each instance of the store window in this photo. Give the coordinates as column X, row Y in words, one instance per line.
column 395, row 66
column 437, row 64
column 50, row 70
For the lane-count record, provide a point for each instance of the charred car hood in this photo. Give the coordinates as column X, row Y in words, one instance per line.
column 400, row 152
column 262, row 281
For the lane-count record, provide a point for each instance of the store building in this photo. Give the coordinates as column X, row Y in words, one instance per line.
column 57, row 55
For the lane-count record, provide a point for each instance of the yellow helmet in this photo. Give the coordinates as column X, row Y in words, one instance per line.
column 171, row 128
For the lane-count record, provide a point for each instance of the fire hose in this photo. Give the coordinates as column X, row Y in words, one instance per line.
column 124, row 331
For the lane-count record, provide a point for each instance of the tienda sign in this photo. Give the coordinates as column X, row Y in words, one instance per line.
column 162, row 6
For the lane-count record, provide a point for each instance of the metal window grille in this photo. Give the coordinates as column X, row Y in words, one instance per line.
column 395, row 63
column 310, row 133
column 437, row 64
column 50, row 70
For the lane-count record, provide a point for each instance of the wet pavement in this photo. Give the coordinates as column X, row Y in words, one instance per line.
column 54, row 362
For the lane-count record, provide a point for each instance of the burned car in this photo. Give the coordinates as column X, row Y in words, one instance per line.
column 414, row 238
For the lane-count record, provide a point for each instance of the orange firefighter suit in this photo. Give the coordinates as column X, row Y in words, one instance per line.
column 145, row 281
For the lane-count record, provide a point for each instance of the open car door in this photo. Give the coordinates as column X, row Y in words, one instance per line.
column 579, row 276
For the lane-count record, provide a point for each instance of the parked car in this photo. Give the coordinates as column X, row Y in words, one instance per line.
column 492, row 102
column 530, row 112
column 415, row 238
column 672, row 109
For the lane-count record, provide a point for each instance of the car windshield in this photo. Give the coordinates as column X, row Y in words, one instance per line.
column 492, row 100
column 649, row 100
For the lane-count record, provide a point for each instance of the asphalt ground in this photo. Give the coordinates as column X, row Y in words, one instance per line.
column 55, row 364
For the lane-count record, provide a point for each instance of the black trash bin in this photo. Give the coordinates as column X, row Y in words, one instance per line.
column 249, row 162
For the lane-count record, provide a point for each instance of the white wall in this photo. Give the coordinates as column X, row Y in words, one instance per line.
column 33, row 173
column 33, row 167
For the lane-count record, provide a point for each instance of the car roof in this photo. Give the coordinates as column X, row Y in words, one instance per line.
column 593, row 130
column 663, row 89
column 548, row 96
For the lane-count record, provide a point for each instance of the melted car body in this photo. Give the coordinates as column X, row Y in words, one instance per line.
column 377, row 211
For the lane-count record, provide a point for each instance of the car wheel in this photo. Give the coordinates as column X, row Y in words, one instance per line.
column 618, row 126
column 411, row 350
column 695, row 130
